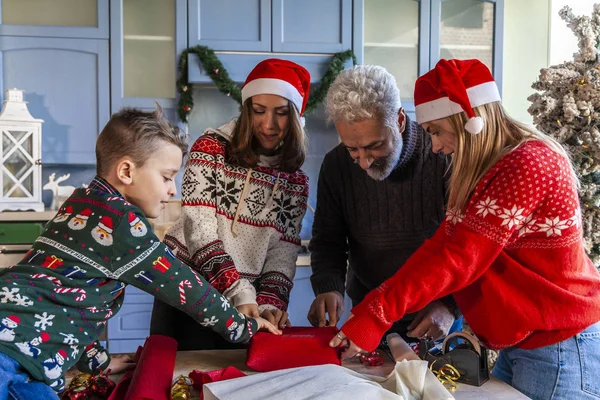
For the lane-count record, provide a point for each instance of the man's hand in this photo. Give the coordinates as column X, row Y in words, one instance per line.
column 277, row 317
column 330, row 303
column 264, row 325
column 249, row 310
column 434, row 321
column 120, row 363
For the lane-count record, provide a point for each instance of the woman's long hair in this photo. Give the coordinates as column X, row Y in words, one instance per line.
column 244, row 146
column 476, row 154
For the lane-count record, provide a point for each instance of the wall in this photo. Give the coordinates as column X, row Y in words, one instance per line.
column 526, row 48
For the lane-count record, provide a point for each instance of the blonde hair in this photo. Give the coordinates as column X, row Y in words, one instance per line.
column 136, row 134
column 476, row 154
column 243, row 147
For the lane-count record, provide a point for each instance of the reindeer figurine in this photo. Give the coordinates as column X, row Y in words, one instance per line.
column 59, row 193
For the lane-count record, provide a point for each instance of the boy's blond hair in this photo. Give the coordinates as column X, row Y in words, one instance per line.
column 136, row 134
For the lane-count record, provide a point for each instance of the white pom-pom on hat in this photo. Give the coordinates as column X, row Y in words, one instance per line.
column 474, row 125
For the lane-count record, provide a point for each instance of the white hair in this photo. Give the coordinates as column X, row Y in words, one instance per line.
column 364, row 92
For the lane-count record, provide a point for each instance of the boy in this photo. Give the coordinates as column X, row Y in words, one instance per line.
column 56, row 301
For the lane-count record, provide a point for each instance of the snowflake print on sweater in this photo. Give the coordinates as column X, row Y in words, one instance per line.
column 55, row 302
column 240, row 227
column 516, row 253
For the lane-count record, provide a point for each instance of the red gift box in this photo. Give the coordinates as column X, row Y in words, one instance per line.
column 296, row 347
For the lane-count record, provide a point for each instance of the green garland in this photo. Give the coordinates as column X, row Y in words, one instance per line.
column 219, row 75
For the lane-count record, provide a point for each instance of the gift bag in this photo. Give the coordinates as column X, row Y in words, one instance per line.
column 296, row 347
column 463, row 352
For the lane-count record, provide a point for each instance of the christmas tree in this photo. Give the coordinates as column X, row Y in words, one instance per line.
column 567, row 107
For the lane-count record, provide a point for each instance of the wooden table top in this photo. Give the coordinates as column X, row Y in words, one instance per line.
column 209, row 360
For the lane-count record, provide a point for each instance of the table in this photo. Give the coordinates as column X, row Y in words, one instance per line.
column 208, row 360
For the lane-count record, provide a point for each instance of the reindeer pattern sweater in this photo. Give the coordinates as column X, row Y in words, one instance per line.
column 240, row 227
column 514, row 260
column 57, row 300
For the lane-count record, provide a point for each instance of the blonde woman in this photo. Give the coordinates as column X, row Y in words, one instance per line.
column 510, row 249
column 243, row 200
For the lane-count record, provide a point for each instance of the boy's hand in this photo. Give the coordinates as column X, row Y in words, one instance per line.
column 277, row 317
column 264, row 325
column 249, row 310
column 120, row 363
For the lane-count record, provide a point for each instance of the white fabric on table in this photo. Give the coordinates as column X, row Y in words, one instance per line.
column 410, row 380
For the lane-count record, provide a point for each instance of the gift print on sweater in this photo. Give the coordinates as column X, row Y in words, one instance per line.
column 56, row 301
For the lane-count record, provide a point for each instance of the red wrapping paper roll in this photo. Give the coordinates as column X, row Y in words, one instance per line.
column 296, row 347
column 153, row 374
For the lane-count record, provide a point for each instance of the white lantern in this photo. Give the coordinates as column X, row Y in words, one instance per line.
column 20, row 155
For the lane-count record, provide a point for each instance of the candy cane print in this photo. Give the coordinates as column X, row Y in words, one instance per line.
column 197, row 278
column 184, row 283
column 109, row 314
column 72, row 290
column 54, row 280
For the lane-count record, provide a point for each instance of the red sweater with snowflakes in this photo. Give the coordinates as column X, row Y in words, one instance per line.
column 514, row 261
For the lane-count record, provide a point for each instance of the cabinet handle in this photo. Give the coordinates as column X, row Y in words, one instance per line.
column 38, row 162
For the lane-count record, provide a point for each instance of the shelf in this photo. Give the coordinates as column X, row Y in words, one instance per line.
column 149, row 38
column 42, row 216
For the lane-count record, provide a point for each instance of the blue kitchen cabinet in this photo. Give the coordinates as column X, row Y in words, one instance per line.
column 281, row 26
column 146, row 39
column 66, row 83
column 85, row 19
column 131, row 325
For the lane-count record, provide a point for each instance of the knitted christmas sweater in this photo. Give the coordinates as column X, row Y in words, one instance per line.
column 57, row 300
column 240, row 227
column 514, row 260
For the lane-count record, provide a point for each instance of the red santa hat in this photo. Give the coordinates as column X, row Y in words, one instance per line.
column 229, row 322
column 281, row 77
column 63, row 354
column 67, row 210
column 45, row 336
column 14, row 319
column 106, row 223
column 85, row 214
column 455, row 86
column 133, row 219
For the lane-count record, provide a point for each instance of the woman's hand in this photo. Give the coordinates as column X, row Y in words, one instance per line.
column 350, row 349
column 277, row 317
column 120, row 363
column 249, row 310
column 264, row 325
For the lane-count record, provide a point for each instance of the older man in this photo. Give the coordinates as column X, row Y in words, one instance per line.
column 381, row 193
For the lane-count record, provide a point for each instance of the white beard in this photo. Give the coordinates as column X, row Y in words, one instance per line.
column 389, row 162
column 7, row 335
column 139, row 229
column 61, row 218
column 54, row 372
column 102, row 237
column 77, row 223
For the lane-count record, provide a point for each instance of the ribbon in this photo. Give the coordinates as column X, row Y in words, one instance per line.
column 447, row 374
column 372, row 359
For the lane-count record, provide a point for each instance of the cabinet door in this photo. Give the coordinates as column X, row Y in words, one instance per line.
column 131, row 325
column 312, row 26
column 466, row 29
column 57, row 18
column 396, row 36
column 147, row 37
column 230, row 24
column 66, row 84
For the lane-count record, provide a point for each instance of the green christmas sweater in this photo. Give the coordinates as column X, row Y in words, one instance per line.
column 55, row 303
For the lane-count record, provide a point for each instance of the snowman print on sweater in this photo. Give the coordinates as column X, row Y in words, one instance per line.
column 79, row 221
column 7, row 328
column 235, row 330
column 96, row 358
column 137, row 227
column 53, row 367
column 102, row 233
column 30, row 348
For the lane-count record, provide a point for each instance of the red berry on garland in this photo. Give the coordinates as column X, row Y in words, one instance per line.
column 186, row 108
column 216, row 71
